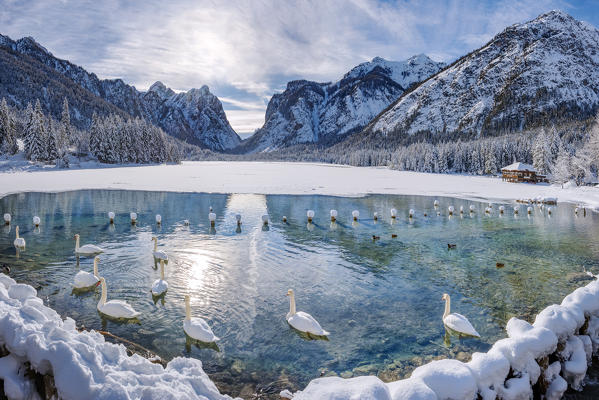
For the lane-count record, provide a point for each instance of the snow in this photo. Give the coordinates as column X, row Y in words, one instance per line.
column 83, row 364
column 335, row 388
column 288, row 178
column 449, row 379
column 518, row 166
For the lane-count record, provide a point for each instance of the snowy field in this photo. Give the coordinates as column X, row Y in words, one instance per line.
column 286, row 178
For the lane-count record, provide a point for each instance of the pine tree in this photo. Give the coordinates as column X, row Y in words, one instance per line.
column 37, row 136
column 490, row 162
column 28, row 129
column 50, row 140
column 8, row 140
column 64, row 134
column 541, row 156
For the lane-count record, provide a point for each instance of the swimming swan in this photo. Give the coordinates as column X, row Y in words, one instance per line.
column 159, row 255
column 457, row 322
column 160, row 286
column 197, row 328
column 114, row 308
column 84, row 279
column 86, row 250
column 302, row 321
column 19, row 241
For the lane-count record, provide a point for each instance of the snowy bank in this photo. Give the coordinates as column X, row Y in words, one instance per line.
column 539, row 360
column 288, row 178
column 83, row 365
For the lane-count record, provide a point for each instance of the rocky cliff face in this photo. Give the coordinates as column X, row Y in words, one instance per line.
column 310, row 112
column 540, row 72
column 32, row 72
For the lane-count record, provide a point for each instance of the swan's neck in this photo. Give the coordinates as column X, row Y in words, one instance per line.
column 77, row 243
column 155, row 244
column 96, row 267
column 187, row 310
column 447, row 307
column 103, row 298
column 161, row 270
column 292, row 304
column 17, row 232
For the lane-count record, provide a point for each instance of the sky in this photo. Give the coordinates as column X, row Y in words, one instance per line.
column 246, row 50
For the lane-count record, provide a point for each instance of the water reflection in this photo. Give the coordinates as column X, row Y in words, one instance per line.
column 376, row 293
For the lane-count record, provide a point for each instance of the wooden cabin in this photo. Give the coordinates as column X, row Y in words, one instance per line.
column 521, row 172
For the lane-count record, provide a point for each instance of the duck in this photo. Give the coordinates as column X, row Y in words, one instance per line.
column 375, row 237
column 457, row 322
column 394, row 235
column 19, row 241
column 111, row 217
column 36, row 221
column 114, row 308
column 160, row 286
column 499, row 265
column 451, row 246
column 302, row 321
column 84, row 279
column 159, row 255
column 86, row 250
column 197, row 328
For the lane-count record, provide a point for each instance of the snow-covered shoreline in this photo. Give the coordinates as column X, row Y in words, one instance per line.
column 287, row 178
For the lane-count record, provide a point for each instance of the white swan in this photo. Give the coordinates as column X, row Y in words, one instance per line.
column 133, row 217
column 7, row 219
column 333, row 215
column 302, row 321
column 451, row 210
column 393, row 213
column 158, row 254
column 461, row 209
column 265, row 219
column 84, row 279
column 86, row 250
column 197, row 328
column 375, row 216
column 310, row 215
column 111, row 217
column 160, row 286
column 472, row 207
column 355, row 214
column 411, row 213
column 114, row 308
column 158, row 219
column 436, row 203
column 212, row 217
column 186, row 222
column 19, row 241
column 457, row 322
column 36, row 221
column 238, row 218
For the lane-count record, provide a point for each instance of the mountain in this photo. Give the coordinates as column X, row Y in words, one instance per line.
column 312, row 112
column 28, row 72
column 537, row 73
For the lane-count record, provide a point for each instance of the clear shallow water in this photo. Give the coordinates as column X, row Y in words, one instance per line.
column 381, row 299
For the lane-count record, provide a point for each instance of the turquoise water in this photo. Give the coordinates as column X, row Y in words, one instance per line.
column 381, row 299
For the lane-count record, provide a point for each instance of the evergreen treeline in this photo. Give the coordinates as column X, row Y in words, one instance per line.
column 110, row 139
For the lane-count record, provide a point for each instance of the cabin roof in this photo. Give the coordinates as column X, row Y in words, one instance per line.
column 518, row 166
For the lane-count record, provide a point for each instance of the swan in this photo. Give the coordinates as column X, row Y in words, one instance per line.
column 411, row 213
column 457, row 322
column 436, row 203
column 7, row 219
column 355, row 214
column 302, row 321
column 211, row 217
column 549, row 210
column 238, row 218
column 333, row 215
column 310, row 215
column 461, row 209
column 160, row 286
column 19, row 241
column 86, row 250
column 501, row 209
column 84, row 279
column 516, row 209
column 472, row 207
column 393, row 213
column 197, row 328
column 529, row 210
column 186, row 222
column 450, row 209
column 284, row 218
column 158, row 219
column 114, row 308
column 133, row 217
column 158, row 254
column 375, row 216
column 36, row 221
column 265, row 219
column 111, row 217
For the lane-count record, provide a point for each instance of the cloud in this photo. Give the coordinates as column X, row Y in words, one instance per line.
column 245, row 50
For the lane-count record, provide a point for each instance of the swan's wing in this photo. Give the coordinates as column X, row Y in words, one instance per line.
column 159, row 286
column 84, row 279
column 304, row 322
column 90, row 249
column 119, row 309
column 460, row 324
column 161, row 255
column 199, row 329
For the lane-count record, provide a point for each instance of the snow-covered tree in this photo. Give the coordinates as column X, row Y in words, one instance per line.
column 490, row 162
column 8, row 139
column 562, row 168
column 36, row 150
column 541, row 153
